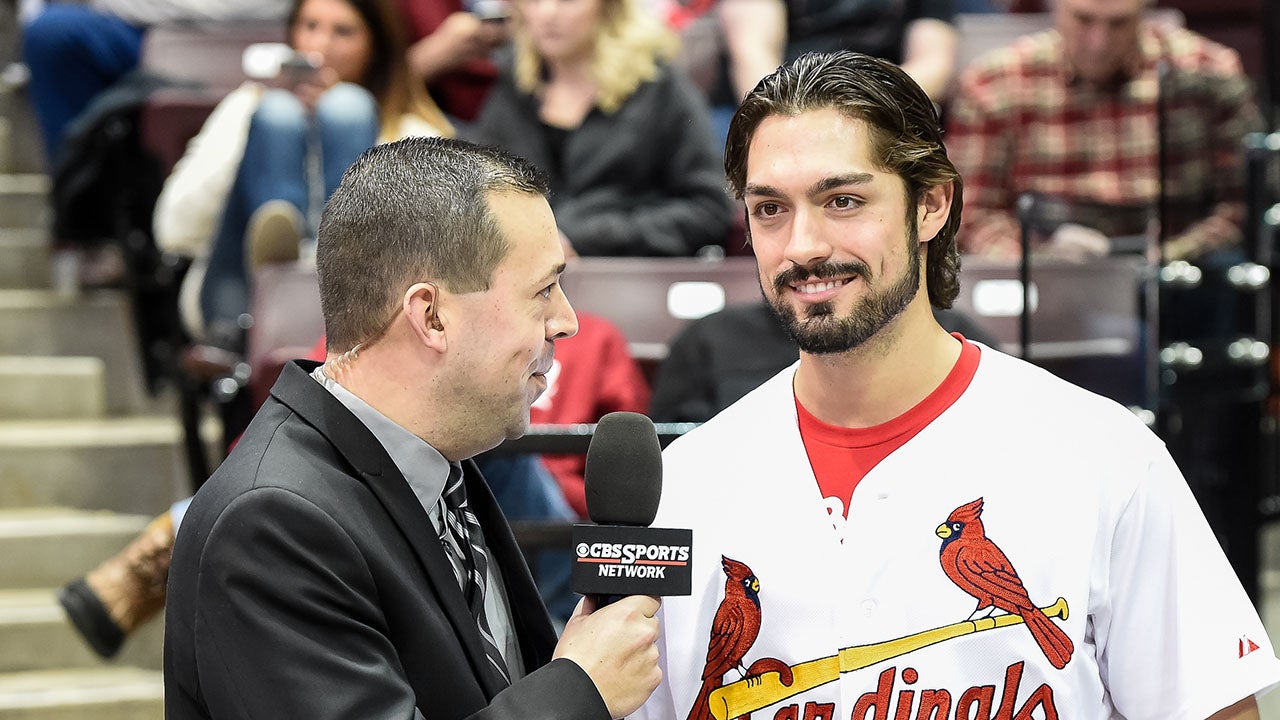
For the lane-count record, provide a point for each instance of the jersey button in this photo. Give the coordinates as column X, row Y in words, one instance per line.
column 868, row 606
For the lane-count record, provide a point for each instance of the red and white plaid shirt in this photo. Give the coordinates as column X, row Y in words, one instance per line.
column 1023, row 121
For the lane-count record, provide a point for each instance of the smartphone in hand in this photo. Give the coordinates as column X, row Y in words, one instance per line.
column 491, row 10
column 278, row 64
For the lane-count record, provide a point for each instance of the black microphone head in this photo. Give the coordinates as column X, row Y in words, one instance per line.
column 623, row 476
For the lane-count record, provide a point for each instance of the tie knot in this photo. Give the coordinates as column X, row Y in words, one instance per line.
column 455, row 490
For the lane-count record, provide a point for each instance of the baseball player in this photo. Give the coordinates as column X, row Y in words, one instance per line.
column 906, row 525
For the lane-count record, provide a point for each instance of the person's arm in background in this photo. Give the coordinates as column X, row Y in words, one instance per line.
column 755, row 35
column 459, row 40
column 929, row 55
column 1235, row 114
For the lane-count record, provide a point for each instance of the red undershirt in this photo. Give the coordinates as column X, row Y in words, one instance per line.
column 842, row 456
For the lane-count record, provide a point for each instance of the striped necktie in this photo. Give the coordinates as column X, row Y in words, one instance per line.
column 464, row 544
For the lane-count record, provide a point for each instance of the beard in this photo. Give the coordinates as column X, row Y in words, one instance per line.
column 821, row 331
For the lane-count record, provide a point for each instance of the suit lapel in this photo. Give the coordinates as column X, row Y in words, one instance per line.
column 318, row 407
column 529, row 616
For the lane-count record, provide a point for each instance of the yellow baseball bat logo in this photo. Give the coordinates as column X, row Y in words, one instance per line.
column 751, row 694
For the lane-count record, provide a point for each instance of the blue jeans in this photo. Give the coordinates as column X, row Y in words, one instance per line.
column 74, row 53
column 282, row 136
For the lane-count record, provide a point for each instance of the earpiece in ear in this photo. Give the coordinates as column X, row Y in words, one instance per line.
column 433, row 319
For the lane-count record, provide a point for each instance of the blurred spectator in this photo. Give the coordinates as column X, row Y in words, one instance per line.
column 718, row 359
column 451, row 48
column 75, row 51
column 915, row 34
column 593, row 375
column 759, row 35
column 590, row 98
column 1075, row 113
column 250, row 174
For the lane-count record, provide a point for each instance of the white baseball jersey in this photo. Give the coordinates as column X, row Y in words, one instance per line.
column 858, row 619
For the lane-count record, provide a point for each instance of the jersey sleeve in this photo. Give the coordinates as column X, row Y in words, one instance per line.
column 1177, row 636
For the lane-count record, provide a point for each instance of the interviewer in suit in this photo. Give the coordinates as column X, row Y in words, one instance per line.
column 310, row 578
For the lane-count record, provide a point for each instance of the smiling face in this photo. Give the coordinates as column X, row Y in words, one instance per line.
column 838, row 253
column 501, row 340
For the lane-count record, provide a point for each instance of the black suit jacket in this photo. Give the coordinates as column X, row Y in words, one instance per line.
column 307, row 582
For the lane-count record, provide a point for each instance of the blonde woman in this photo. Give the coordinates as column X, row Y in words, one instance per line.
column 588, row 96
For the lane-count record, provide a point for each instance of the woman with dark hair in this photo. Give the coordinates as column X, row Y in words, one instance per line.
column 253, row 181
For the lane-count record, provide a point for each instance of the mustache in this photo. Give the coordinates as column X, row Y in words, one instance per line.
column 545, row 361
column 797, row 274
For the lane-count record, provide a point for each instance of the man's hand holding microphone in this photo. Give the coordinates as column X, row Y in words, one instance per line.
column 623, row 565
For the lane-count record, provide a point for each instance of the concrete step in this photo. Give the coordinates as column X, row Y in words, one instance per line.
column 114, row 693
column 95, row 324
column 22, row 147
column 24, row 259
column 24, row 200
column 134, row 464
column 36, row 635
column 39, row 388
column 46, row 547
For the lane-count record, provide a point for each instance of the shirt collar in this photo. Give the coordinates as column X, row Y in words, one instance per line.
column 423, row 466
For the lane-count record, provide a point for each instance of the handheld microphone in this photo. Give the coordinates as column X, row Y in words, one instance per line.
column 620, row 554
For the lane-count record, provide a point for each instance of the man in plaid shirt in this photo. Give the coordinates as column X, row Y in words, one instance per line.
column 1074, row 113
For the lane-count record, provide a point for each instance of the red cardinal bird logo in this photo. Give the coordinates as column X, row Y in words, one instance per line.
column 977, row 566
column 733, row 631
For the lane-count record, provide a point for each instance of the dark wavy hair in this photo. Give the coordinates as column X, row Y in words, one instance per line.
column 905, row 131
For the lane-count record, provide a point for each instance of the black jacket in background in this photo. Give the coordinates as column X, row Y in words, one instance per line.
column 643, row 181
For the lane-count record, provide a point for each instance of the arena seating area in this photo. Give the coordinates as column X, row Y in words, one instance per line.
column 101, row 426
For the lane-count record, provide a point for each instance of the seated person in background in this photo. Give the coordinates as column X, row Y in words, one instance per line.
column 593, row 375
column 245, row 178
column 915, row 34
column 451, row 47
column 77, row 50
column 718, row 359
column 1073, row 112
column 589, row 98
